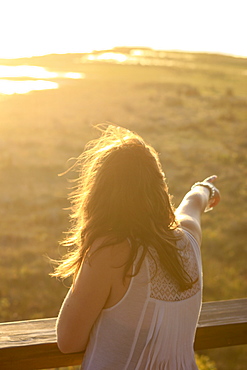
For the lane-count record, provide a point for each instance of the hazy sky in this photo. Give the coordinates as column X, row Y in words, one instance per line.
column 37, row 27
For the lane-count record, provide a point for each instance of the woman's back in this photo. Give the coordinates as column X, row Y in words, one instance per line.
column 143, row 322
column 153, row 326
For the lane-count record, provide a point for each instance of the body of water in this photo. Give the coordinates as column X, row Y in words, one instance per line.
column 24, row 78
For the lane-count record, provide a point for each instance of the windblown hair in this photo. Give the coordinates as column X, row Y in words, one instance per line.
column 122, row 193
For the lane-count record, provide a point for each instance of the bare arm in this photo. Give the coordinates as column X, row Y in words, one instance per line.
column 99, row 285
column 193, row 205
column 84, row 302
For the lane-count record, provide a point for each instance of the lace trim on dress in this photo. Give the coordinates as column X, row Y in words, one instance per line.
column 163, row 287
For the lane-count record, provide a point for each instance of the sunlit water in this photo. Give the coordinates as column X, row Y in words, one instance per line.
column 33, row 78
column 24, row 78
column 9, row 87
column 145, row 57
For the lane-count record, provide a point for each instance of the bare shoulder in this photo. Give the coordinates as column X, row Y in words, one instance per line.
column 113, row 255
column 121, row 253
column 192, row 225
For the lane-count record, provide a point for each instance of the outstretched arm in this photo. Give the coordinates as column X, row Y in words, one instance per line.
column 200, row 197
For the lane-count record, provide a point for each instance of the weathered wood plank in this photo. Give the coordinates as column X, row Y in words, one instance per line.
column 32, row 344
column 38, row 356
column 222, row 324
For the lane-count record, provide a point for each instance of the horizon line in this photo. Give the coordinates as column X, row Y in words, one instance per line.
column 130, row 48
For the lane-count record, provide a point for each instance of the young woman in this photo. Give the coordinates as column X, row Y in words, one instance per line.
column 135, row 261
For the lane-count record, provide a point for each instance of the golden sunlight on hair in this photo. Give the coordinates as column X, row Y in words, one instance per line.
column 121, row 193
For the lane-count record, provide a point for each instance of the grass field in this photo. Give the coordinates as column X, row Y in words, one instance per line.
column 194, row 112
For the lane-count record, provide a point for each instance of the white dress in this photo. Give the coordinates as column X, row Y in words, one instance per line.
column 153, row 326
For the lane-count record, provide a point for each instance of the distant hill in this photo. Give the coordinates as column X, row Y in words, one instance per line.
column 71, row 60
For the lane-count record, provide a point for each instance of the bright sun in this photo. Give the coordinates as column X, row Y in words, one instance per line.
column 58, row 26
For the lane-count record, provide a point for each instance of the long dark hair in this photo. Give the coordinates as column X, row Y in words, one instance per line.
column 122, row 193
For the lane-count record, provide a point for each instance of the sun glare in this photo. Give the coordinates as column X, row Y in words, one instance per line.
column 10, row 87
column 39, row 75
column 144, row 57
column 117, row 57
column 26, row 71
column 74, row 75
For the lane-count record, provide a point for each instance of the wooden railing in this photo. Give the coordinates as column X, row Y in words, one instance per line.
column 32, row 344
